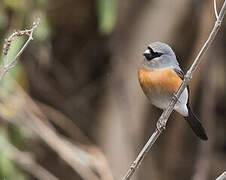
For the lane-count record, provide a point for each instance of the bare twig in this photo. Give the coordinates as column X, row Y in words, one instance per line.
column 63, row 122
column 215, row 9
column 26, row 162
column 222, row 176
column 161, row 124
column 8, row 65
column 71, row 154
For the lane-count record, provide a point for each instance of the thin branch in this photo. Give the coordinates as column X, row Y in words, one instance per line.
column 8, row 65
column 71, row 154
column 63, row 122
column 222, row 176
column 26, row 161
column 215, row 9
column 79, row 158
column 161, row 124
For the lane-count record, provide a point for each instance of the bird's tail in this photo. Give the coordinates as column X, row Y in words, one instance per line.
column 195, row 124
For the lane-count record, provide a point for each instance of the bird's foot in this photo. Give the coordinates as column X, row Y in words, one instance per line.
column 161, row 125
column 175, row 98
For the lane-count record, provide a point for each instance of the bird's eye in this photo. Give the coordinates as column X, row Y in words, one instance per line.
column 151, row 54
column 151, row 50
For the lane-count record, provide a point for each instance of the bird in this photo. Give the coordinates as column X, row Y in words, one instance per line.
column 160, row 76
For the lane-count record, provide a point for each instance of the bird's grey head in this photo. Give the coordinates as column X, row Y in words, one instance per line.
column 159, row 55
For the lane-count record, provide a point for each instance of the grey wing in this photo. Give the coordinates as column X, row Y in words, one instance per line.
column 180, row 73
column 183, row 102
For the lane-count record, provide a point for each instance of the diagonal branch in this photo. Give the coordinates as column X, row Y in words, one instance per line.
column 222, row 176
column 26, row 161
column 215, row 9
column 161, row 124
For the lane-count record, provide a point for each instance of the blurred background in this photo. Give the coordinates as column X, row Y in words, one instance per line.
column 72, row 107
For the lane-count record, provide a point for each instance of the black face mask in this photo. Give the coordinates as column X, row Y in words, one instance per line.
column 151, row 55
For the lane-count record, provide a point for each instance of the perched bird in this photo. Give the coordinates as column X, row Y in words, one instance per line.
column 160, row 77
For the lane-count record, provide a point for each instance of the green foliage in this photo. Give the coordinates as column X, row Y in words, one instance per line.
column 16, row 137
column 15, row 47
column 41, row 3
column 43, row 32
column 106, row 15
column 16, row 72
column 2, row 19
column 15, row 5
column 7, row 168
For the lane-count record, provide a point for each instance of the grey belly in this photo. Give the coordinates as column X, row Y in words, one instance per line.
column 160, row 101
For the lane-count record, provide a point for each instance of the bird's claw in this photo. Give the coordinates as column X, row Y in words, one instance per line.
column 175, row 98
column 161, row 125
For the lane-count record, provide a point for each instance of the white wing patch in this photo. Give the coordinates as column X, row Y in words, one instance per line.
column 181, row 105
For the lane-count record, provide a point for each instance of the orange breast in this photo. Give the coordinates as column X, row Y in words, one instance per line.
column 159, row 81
